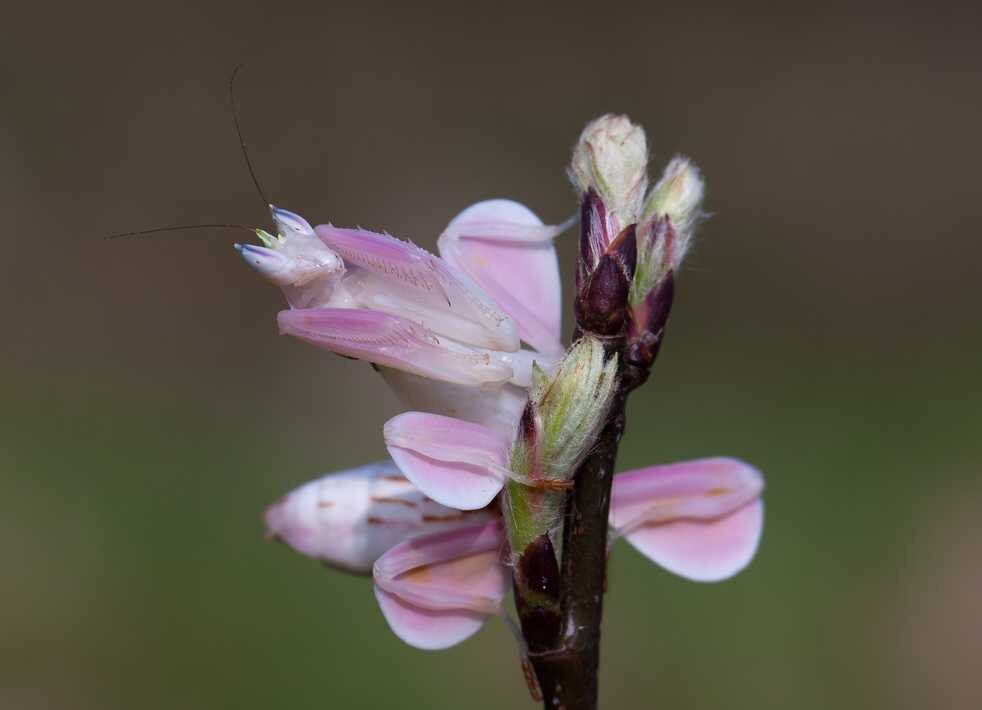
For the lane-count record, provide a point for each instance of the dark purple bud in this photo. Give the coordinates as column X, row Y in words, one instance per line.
column 537, row 593
column 601, row 304
column 538, row 568
column 647, row 321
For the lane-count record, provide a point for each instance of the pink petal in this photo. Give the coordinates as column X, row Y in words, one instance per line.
column 399, row 277
column 699, row 519
column 392, row 341
column 455, row 485
column 436, row 590
column 425, row 629
column 507, row 250
column 349, row 518
column 700, row 550
column 456, row 463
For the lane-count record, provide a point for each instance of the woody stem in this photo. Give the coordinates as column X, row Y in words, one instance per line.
column 567, row 667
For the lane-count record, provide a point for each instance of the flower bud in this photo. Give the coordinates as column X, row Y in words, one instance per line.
column 664, row 236
column 609, row 169
column 678, row 195
column 611, row 158
column 667, row 225
column 599, row 306
column 565, row 413
column 604, row 271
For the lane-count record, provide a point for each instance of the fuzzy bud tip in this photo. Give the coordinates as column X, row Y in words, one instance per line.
column 570, row 408
column 678, row 194
column 611, row 158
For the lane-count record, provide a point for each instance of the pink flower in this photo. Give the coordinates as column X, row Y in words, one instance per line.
column 440, row 573
column 349, row 518
column 373, row 297
column 699, row 519
column 440, row 341
column 446, row 333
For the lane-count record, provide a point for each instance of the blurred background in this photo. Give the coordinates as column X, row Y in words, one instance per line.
column 826, row 328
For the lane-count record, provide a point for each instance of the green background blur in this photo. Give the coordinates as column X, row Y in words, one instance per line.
column 827, row 329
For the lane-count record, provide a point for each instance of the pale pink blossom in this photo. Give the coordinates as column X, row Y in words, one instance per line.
column 447, row 334
column 440, row 573
column 349, row 518
column 437, row 590
column 373, row 297
column 699, row 519
column 442, row 342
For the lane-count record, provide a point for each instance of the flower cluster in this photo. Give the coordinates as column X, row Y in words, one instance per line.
column 463, row 338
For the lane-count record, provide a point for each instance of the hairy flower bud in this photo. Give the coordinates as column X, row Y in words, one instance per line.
column 611, row 158
column 604, row 270
column 678, row 195
column 609, row 169
column 560, row 424
column 667, row 225
column 565, row 412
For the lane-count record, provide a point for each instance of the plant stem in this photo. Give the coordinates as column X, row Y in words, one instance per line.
column 567, row 669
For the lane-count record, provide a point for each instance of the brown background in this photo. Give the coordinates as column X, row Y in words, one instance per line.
column 827, row 329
